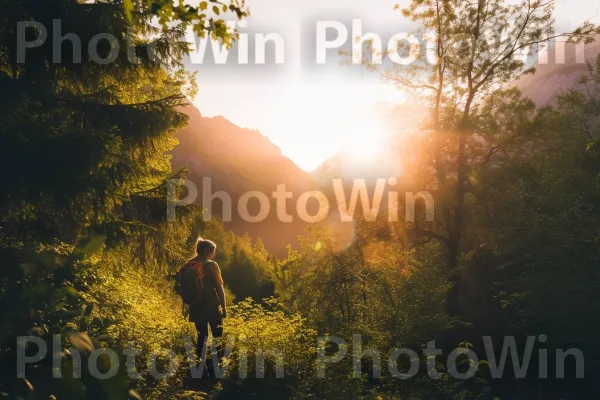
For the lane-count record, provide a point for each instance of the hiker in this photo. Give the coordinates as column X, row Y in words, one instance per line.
column 201, row 287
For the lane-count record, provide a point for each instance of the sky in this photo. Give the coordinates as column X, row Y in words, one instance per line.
column 312, row 111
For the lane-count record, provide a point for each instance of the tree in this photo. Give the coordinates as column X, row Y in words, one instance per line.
column 84, row 159
column 478, row 48
column 537, row 220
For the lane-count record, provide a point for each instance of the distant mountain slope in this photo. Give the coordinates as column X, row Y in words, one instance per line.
column 553, row 77
column 240, row 160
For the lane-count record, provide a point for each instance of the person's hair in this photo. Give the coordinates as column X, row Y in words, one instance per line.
column 204, row 247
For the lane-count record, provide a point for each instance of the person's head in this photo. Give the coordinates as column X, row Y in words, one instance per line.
column 205, row 249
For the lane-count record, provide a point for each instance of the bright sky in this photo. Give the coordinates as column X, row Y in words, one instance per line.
column 312, row 112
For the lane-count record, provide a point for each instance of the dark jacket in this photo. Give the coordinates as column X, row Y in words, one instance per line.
column 209, row 276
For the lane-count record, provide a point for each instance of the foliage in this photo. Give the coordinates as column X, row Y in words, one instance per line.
column 144, row 311
column 86, row 204
column 202, row 18
column 282, row 338
column 479, row 47
column 87, row 248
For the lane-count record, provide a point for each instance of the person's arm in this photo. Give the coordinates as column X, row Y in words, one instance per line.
column 221, row 294
column 220, row 289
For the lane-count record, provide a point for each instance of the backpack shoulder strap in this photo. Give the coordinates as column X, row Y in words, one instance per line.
column 201, row 271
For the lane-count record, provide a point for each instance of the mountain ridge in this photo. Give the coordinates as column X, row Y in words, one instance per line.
column 239, row 161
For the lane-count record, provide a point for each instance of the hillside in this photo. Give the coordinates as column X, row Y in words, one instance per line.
column 554, row 77
column 240, row 160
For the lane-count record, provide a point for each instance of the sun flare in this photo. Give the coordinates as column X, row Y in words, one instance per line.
column 335, row 120
column 366, row 141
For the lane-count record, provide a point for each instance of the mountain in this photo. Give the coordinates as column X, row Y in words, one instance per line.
column 238, row 161
column 557, row 75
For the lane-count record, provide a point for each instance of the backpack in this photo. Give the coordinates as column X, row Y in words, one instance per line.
column 188, row 282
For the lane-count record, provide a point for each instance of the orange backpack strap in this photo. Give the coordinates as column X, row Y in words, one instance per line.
column 199, row 267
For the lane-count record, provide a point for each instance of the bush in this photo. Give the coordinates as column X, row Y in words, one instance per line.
column 144, row 310
column 283, row 339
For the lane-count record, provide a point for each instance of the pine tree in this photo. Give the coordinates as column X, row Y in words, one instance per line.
column 84, row 153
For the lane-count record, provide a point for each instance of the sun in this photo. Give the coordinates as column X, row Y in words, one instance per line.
column 366, row 141
column 314, row 122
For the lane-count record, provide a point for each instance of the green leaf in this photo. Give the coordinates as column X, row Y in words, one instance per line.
column 71, row 291
column 81, row 341
column 94, row 244
column 203, row 5
column 216, row 10
column 128, row 9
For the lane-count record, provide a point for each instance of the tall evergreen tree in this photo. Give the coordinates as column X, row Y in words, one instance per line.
column 86, row 122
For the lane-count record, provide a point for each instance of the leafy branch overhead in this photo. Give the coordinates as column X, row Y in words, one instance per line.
column 206, row 17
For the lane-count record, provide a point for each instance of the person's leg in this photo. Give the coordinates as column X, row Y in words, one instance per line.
column 216, row 328
column 202, row 328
